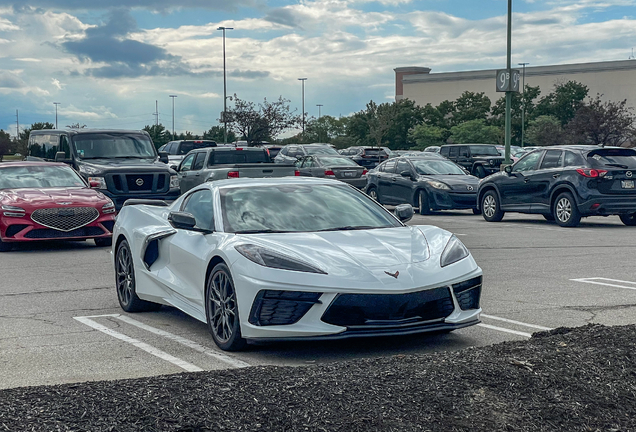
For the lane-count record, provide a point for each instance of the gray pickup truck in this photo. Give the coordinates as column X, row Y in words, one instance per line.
column 216, row 163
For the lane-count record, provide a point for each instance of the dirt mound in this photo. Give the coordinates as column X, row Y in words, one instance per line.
column 581, row 379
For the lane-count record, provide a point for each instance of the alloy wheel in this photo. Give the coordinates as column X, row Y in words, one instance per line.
column 222, row 307
column 373, row 194
column 125, row 276
column 564, row 210
column 489, row 205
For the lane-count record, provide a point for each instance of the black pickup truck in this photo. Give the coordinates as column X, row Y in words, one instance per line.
column 122, row 164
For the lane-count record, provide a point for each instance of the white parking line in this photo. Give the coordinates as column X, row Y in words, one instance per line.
column 595, row 280
column 505, row 330
column 141, row 345
column 515, row 322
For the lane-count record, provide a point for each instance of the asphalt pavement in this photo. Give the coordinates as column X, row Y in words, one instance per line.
column 60, row 321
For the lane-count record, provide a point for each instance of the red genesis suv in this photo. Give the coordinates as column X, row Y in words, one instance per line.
column 46, row 201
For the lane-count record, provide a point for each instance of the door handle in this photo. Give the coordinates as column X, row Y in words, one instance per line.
column 393, row 179
column 526, row 180
column 556, row 176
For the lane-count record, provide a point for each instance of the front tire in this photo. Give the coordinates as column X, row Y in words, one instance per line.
column 628, row 219
column 126, row 283
column 565, row 211
column 490, row 209
column 373, row 193
column 221, row 310
column 422, row 202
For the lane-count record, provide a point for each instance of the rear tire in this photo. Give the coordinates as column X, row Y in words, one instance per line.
column 490, row 209
column 373, row 194
column 565, row 211
column 126, row 284
column 422, row 201
column 221, row 310
column 628, row 219
column 103, row 242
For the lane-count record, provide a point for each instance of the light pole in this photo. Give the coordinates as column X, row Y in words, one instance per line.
column 224, row 88
column 523, row 104
column 56, row 104
column 173, row 96
column 319, row 115
column 303, row 85
column 508, row 92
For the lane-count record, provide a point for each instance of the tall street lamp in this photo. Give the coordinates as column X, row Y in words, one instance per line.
column 303, row 85
column 224, row 88
column 173, row 96
column 56, row 104
column 523, row 103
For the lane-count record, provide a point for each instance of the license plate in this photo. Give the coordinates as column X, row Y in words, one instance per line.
column 627, row 184
column 348, row 174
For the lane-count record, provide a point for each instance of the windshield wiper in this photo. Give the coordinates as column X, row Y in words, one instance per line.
column 131, row 157
column 259, row 231
column 617, row 165
column 350, row 228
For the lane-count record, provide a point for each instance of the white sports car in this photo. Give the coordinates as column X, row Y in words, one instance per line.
column 293, row 258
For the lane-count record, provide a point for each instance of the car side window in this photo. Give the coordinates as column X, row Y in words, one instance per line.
column 308, row 163
column 552, row 159
column 389, row 167
column 444, row 151
column 186, row 165
column 199, row 205
column 64, row 147
column 453, row 152
column 402, row 166
column 572, row 159
column 198, row 161
column 528, row 162
column 463, row 151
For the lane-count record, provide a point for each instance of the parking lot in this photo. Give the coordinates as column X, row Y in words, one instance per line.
column 62, row 323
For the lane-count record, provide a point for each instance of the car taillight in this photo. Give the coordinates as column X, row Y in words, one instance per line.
column 365, row 171
column 591, row 173
column 233, row 174
column 329, row 173
column 239, row 148
column 296, row 173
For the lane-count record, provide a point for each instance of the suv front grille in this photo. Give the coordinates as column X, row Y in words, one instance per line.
column 53, row 234
column 65, row 218
column 131, row 183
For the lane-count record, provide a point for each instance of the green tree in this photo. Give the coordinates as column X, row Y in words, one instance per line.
column 498, row 112
column 470, row 106
column 5, row 143
column 602, row 123
column 425, row 135
column 262, row 123
column 544, row 131
column 476, row 131
column 76, row 126
column 324, row 129
column 564, row 101
column 216, row 134
column 158, row 133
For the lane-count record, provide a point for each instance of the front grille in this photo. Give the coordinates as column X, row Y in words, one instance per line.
column 468, row 293
column 14, row 229
column 52, row 234
column 139, row 182
column 281, row 307
column 65, row 218
column 389, row 309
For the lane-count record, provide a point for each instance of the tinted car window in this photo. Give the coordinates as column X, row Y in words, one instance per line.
column 402, row 166
column 320, row 150
column 552, row 159
column 573, row 159
column 238, row 156
column 198, row 161
column 528, row 162
column 199, row 204
column 453, row 152
column 336, row 161
column 612, row 157
column 436, row 167
column 185, row 148
column 463, row 152
column 389, row 167
column 484, row 150
column 444, row 151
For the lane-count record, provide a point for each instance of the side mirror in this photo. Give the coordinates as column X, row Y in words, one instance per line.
column 404, row 212
column 406, row 174
column 163, row 157
column 174, row 167
column 60, row 157
column 508, row 169
column 182, row 220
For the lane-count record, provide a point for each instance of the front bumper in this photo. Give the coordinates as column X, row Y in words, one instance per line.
column 119, row 199
column 441, row 200
column 25, row 230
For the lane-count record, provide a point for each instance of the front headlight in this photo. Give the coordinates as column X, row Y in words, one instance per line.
column 174, row 182
column 439, row 185
column 453, row 252
column 108, row 208
column 269, row 258
column 97, row 182
column 13, row 211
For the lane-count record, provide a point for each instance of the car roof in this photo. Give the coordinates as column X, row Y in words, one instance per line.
column 274, row 181
column 86, row 131
column 470, row 144
column 30, row 163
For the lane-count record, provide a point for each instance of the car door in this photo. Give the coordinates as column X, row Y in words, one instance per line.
column 185, row 181
column 197, row 173
column 514, row 188
column 385, row 183
column 543, row 179
column 403, row 184
column 188, row 249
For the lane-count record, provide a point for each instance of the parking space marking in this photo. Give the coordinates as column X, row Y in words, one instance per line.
column 515, row 322
column 595, row 281
column 187, row 342
column 505, row 330
column 189, row 367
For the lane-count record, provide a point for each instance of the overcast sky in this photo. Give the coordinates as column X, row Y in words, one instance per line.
column 106, row 62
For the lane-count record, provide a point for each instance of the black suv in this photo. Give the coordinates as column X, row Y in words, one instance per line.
column 122, row 164
column 564, row 183
column 480, row 160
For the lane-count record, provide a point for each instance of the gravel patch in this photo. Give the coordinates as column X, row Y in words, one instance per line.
column 581, row 379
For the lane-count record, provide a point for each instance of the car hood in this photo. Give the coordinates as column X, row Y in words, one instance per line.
column 340, row 252
column 47, row 196
column 456, row 182
column 97, row 166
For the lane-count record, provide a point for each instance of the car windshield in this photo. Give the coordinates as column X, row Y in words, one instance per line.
column 337, row 161
column 113, row 145
column 321, row 150
column 436, row 167
column 300, row 208
column 484, row 150
column 39, row 176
